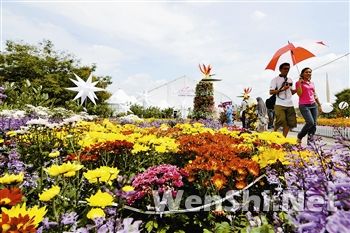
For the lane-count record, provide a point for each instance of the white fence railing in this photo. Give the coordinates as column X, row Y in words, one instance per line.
column 328, row 131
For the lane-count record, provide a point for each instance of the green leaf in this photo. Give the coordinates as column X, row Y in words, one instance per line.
column 223, row 227
column 149, row 226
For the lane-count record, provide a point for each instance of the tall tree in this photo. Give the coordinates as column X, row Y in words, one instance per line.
column 43, row 66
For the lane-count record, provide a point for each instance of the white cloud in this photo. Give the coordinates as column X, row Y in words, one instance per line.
column 137, row 83
column 258, row 15
column 172, row 39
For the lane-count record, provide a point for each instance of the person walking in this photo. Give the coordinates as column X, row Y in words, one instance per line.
column 285, row 115
column 309, row 104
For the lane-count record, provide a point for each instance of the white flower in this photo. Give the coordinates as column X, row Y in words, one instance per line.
column 39, row 121
column 19, row 114
column 72, row 119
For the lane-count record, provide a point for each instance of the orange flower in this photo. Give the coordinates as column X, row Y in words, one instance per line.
column 212, row 153
column 10, row 197
column 205, row 70
column 241, row 184
column 253, row 169
column 226, row 170
column 242, row 171
column 191, row 178
column 219, row 180
column 240, row 177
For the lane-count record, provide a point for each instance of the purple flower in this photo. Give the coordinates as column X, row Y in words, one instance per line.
column 326, row 177
column 3, row 96
column 338, row 222
column 98, row 221
column 129, row 227
column 82, row 230
column 47, row 224
column 14, row 164
column 69, row 218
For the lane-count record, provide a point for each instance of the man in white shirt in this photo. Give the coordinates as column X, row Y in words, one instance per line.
column 284, row 108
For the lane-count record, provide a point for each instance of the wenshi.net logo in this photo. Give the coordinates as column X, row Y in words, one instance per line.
column 238, row 200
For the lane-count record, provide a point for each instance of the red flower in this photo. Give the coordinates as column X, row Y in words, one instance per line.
column 18, row 224
column 94, row 152
column 10, row 197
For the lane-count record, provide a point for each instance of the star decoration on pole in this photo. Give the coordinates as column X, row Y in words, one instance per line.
column 85, row 89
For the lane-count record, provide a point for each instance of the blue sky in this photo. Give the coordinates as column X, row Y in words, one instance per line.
column 144, row 44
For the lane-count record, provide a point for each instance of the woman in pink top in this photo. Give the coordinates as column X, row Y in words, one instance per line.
column 308, row 102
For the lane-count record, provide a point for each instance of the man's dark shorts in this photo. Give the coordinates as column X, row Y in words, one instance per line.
column 285, row 116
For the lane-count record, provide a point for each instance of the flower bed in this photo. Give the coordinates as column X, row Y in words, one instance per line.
column 335, row 122
column 105, row 176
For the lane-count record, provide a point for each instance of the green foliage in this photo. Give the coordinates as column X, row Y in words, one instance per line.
column 137, row 110
column 344, row 95
column 48, row 72
column 21, row 94
column 222, row 227
column 204, row 101
column 151, row 112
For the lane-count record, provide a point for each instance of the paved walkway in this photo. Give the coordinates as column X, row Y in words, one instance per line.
column 329, row 141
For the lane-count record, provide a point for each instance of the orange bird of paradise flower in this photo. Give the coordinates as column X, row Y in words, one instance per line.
column 205, row 70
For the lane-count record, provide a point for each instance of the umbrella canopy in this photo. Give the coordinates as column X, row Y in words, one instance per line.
column 298, row 54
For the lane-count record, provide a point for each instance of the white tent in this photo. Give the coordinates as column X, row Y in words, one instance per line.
column 120, row 101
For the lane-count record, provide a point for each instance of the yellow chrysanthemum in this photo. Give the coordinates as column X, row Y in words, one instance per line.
column 95, row 213
column 100, row 199
column 160, row 149
column 54, row 154
column 48, row 194
column 269, row 156
column 102, row 174
column 139, row 148
column 275, row 137
column 196, row 128
column 128, row 188
column 35, row 212
column 11, row 178
column 306, row 155
column 67, row 169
